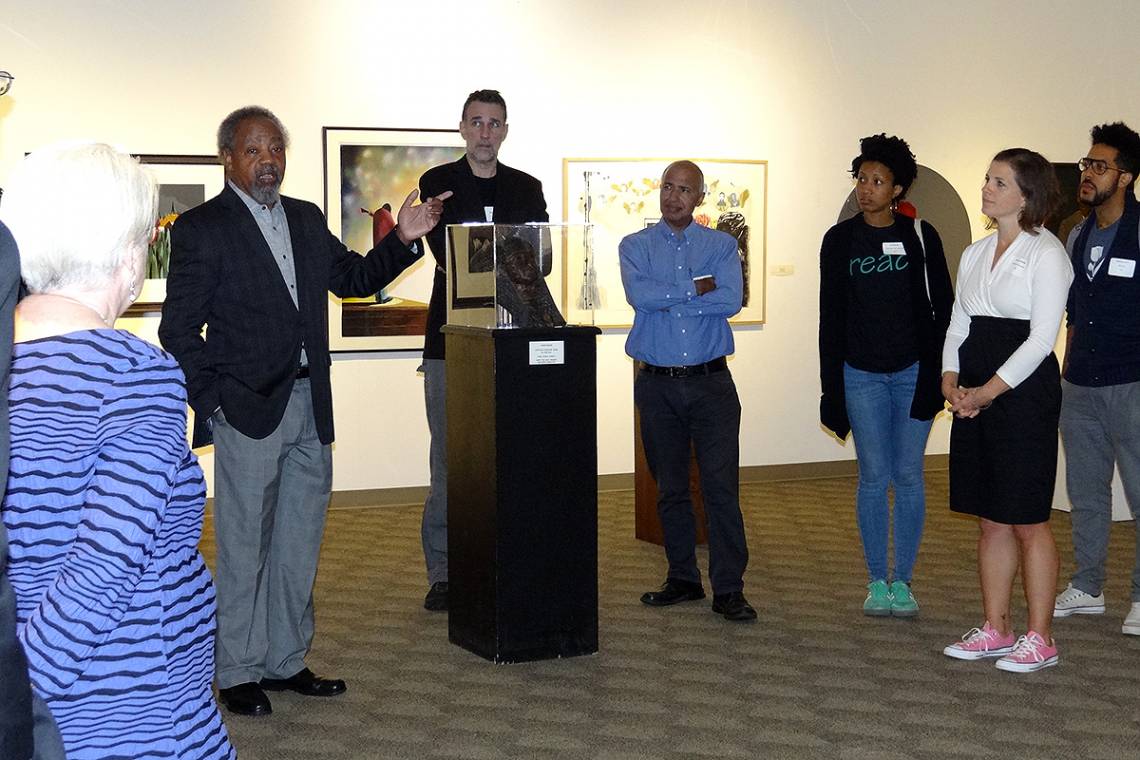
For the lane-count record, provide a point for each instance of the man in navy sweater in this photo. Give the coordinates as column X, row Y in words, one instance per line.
column 1100, row 413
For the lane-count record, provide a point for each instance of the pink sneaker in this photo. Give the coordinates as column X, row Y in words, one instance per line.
column 1029, row 654
column 979, row 643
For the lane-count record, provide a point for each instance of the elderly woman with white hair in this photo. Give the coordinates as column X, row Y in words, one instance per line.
column 115, row 605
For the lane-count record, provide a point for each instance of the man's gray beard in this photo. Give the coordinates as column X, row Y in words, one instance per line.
column 267, row 196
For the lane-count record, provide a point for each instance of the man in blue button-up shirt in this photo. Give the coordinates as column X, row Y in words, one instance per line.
column 684, row 281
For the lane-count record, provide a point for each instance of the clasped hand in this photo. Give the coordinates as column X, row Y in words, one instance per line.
column 966, row 403
column 415, row 221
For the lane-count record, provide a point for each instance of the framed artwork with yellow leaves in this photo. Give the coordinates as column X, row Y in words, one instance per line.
column 618, row 196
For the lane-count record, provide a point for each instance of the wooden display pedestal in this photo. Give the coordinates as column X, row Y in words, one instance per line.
column 646, row 525
column 522, row 462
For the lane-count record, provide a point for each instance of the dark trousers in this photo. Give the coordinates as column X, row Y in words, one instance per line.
column 703, row 411
column 27, row 730
column 15, row 692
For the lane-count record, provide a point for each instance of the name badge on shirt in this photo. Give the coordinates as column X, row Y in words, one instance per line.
column 1122, row 267
column 489, row 213
column 894, row 249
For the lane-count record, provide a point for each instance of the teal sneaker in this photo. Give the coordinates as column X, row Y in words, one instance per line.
column 903, row 603
column 878, row 602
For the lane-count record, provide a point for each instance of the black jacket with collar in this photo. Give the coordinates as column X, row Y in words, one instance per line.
column 518, row 199
column 932, row 296
column 223, row 276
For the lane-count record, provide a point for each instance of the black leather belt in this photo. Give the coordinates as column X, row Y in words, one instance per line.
column 708, row 368
column 302, row 373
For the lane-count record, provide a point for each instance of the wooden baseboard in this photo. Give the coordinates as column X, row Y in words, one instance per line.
column 623, row 481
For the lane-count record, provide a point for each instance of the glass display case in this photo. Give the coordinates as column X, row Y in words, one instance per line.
column 519, row 275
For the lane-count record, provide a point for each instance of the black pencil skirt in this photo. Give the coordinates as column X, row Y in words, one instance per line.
column 1003, row 463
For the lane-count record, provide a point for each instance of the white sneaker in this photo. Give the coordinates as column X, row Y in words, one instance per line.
column 1132, row 622
column 1073, row 601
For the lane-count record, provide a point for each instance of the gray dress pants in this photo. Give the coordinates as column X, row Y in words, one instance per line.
column 271, row 496
column 433, row 530
column 1100, row 428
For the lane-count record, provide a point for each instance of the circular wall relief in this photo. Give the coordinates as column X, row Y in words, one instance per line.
column 938, row 203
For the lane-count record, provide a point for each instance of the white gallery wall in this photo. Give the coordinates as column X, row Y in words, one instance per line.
column 796, row 83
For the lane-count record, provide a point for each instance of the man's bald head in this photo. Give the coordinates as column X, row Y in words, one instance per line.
column 690, row 166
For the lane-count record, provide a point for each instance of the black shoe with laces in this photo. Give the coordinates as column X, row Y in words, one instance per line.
column 672, row 592
column 733, row 606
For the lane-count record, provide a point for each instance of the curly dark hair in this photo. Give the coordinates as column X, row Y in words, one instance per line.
column 893, row 153
column 1120, row 136
column 1038, row 183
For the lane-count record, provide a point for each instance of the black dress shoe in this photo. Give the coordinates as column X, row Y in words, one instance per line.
column 672, row 592
column 733, row 606
column 245, row 699
column 436, row 599
column 306, row 683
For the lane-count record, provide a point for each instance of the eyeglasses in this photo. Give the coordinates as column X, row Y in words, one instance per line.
column 5, row 81
column 1098, row 167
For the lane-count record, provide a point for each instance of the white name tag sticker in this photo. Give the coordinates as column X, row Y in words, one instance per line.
column 894, row 249
column 1122, row 267
column 547, row 352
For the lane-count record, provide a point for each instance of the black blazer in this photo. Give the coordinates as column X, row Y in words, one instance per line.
column 932, row 297
column 518, row 199
column 222, row 274
column 15, row 692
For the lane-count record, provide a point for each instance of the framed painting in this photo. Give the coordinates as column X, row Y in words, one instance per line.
column 184, row 181
column 366, row 168
column 618, row 196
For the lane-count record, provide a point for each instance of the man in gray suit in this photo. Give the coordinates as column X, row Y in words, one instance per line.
column 257, row 267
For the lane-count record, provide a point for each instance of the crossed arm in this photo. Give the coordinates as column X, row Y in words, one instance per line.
column 717, row 292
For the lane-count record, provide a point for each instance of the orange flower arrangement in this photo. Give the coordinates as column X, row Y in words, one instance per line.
column 158, row 252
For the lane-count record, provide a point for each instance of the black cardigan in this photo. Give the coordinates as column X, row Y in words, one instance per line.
column 931, row 316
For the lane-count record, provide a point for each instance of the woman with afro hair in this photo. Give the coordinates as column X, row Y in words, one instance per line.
column 884, row 305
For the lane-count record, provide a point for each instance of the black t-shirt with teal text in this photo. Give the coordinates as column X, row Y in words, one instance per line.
column 881, row 335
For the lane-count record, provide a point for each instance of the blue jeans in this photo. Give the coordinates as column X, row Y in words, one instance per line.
column 889, row 445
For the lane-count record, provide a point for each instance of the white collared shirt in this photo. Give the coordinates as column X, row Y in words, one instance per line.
column 1031, row 281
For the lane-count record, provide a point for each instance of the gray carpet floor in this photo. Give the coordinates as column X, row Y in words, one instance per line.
column 813, row 678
